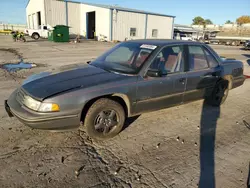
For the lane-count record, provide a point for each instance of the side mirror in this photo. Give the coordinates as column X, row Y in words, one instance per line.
column 156, row 73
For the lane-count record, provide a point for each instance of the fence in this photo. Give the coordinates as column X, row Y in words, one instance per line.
column 15, row 27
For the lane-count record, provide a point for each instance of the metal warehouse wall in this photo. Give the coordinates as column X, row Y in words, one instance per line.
column 55, row 12
column 164, row 25
column 74, row 18
column 33, row 7
column 123, row 21
column 102, row 20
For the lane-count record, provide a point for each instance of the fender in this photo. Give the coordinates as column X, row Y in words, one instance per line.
column 127, row 101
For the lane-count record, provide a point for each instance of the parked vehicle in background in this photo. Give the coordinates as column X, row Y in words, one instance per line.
column 186, row 37
column 247, row 45
column 183, row 36
column 41, row 32
column 211, row 37
column 132, row 78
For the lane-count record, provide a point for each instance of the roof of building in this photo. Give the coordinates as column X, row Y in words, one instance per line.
column 185, row 28
column 122, row 8
column 117, row 8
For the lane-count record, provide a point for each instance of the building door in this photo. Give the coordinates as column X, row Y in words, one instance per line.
column 30, row 22
column 39, row 21
column 90, row 24
column 33, row 21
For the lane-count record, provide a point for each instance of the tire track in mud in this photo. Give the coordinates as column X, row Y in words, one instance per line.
column 13, row 51
column 132, row 175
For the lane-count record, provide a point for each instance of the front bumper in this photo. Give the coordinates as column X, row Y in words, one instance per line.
column 37, row 120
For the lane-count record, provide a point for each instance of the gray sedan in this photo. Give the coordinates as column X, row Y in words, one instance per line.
column 132, row 78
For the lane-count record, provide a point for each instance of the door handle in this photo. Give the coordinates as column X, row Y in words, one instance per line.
column 182, row 80
column 206, row 76
column 209, row 76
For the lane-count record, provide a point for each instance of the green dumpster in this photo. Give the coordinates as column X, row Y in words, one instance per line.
column 60, row 34
column 50, row 35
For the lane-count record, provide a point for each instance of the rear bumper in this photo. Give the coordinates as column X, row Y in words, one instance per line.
column 36, row 120
column 238, row 81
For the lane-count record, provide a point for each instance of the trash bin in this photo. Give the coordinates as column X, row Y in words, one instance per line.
column 60, row 33
column 50, row 35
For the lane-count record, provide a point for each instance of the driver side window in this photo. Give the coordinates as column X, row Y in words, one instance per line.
column 169, row 60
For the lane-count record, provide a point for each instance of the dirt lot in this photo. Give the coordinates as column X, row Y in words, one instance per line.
column 178, row 147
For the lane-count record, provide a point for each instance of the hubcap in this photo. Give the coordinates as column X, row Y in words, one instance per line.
column 106, row 121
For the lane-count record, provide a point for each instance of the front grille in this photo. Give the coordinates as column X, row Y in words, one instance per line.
column 20, row 96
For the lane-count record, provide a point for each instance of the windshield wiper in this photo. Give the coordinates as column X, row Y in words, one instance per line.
column 100, row 67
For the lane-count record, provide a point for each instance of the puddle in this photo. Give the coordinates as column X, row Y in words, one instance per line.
column 19, row 66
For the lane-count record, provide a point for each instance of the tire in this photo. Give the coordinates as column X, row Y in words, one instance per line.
column 219, row 93
column 99, row 119
column 35, row 36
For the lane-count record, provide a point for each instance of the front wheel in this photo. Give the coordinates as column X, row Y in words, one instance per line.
column 104, row 119
column 219, row 93
column 35, row 36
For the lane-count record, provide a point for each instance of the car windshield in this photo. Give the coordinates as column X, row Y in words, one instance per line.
column 126, row 57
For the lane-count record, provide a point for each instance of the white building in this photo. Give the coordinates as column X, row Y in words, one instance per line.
column 87, row 19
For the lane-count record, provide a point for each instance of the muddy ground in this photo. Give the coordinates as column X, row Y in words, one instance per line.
column 178, row 147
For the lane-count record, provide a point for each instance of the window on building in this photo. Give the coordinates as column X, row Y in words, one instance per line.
column 132, row 32
column 197, row 58
column 154, row 32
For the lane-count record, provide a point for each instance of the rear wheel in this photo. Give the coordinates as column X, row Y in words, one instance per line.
column 35, row 36
column 104, row 119
column 219, row 94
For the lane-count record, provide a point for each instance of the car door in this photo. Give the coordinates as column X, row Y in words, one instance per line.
column 44, row 31
column 157, row 92
column 203, row 73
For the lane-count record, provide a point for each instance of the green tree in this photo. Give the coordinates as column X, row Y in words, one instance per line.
column 243, row 19
column 198, row 20
column 229, row 22
column 208, row 21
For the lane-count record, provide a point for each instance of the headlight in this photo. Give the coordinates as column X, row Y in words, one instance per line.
column 39, row 106
column 49, row 107
column 31, row 103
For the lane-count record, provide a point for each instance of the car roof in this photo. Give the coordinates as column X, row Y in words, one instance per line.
column 163, row 42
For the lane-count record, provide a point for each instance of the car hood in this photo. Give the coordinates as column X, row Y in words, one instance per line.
column 46, row 84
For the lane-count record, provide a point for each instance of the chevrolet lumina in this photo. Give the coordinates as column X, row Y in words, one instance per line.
column 131, row 78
